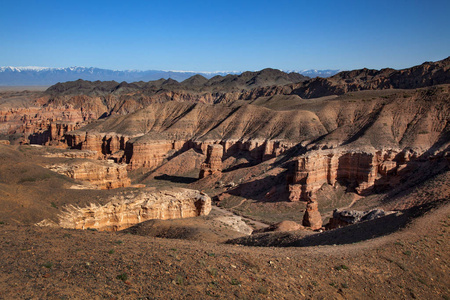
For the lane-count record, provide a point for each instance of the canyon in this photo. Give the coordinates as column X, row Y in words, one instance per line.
column 258, row 136
column 338, row 183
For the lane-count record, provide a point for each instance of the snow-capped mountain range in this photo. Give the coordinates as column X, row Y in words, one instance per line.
column 22, row 76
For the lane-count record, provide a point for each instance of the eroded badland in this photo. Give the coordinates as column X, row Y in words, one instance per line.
column 253, row 186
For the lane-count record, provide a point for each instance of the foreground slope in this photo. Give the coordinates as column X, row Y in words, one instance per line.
column 50, row 263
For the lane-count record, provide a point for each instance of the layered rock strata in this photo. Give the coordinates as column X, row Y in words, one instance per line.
column 127, row 210
column 43, row 125
column 213, row 162
column 141, row 152
column 101, row 174
column 354, row 169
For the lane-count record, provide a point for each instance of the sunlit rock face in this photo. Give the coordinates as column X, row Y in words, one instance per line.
column 124, row 211
column 99, row 174
column 356, row 169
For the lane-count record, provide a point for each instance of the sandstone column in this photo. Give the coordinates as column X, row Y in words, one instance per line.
column 312, row 217
column 213, row 162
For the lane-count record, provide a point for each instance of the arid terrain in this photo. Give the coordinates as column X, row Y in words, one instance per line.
column 263, row 185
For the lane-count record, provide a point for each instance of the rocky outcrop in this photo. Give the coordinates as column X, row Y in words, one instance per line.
column 101, row 174
column 127, row 210
column 355, row 169
column 282, row 226
column 151, row 154
column 73, row 154
column 312, row 217
column 213, row 162
column 346, row 217
column 42, row 125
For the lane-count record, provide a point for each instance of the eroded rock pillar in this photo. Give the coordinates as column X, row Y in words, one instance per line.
column 213, row 162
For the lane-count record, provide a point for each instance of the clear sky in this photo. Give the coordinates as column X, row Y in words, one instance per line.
column 223, row 35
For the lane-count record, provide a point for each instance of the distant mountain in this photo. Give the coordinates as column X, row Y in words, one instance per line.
column 13, row 76
column 318, row 73
column 218, row 84
column 10, row 76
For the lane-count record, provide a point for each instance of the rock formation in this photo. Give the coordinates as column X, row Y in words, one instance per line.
column 354, row 169
column 74, row 154
column 127, row 210
column 346, row 217
column 282, row 226
column 312, row 217
column 101, row 174
column 213, row 162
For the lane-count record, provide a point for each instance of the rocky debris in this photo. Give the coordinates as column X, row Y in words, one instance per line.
column 282, row 226
column 102, row 174
column 213, row 162
column 356, row 169
column 124, row 211
column 346, row 217
column 312, row 217
column 235, row 223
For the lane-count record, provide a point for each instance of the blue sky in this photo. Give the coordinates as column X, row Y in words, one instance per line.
column 223, row 35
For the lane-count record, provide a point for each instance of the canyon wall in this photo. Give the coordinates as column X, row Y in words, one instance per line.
column 42, row 125
column 358, row 170
column 99, row 174
column 143, row 152
column 127, row 210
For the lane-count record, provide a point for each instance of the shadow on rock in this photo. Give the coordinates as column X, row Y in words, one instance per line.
column 176, row 179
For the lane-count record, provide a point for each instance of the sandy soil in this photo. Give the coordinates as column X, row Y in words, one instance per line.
column 43, row 263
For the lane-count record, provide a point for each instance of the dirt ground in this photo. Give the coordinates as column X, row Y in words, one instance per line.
column 44, row 263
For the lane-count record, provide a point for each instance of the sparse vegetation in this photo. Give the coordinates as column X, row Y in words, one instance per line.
column 234, row 281
column 180, row 280
column 48, row 265
column 123, row 277
column 341, row 267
